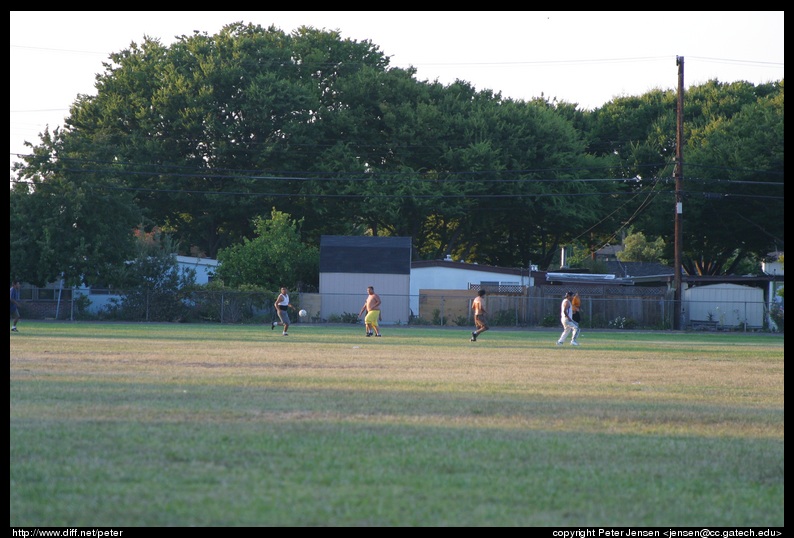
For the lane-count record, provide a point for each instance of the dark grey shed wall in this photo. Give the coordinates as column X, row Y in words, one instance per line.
column 349, row 264
column 378, row 255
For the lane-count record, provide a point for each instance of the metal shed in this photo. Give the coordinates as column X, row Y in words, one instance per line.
column 724, row 305
column 349, row 264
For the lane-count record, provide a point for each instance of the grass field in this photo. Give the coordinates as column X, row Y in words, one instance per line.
column 217, row 425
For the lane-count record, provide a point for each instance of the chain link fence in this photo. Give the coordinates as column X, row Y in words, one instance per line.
column 632, row 309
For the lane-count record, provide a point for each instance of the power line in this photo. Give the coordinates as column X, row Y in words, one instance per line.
column 496, row 63
column 435, row 196
column 434, row 176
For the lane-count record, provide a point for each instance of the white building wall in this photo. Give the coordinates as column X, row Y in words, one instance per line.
column 346, row 293
column 451, row 278
column 730, row 305
column 772, row 268
column 204, row 268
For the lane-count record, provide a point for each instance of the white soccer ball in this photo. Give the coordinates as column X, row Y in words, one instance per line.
column 303, row 313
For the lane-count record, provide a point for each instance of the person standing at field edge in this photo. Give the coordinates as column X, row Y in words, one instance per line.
column 15, row 304
column 372, row 308
column 568, row 324
column 282, row 305
column 480, row 322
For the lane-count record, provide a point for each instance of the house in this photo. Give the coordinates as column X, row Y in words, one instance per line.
column 55, row 301
column 447, row 274
column 204, row 267
column 101, row 297
column 608, row 253
column 773, row 266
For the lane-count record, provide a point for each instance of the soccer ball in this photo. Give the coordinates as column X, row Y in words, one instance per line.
column 303, row 313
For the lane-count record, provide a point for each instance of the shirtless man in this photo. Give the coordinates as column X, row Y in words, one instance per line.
column 480, row 323
column 372, row 308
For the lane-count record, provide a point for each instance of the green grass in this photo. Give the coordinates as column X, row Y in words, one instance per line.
column 215, row 425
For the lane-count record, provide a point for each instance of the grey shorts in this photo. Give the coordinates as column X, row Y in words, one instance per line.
column 283, row 315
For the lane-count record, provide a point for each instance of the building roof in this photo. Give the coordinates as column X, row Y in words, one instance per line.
column 423, row 264
column 580, row 278
column 638, row 269
column 608, row 251
column 193, row 260
column 745, row 280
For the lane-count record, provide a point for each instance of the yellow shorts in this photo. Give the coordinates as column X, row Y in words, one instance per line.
column 372, row 317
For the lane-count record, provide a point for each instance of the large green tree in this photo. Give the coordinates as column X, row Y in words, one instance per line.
column 276, row 257
column 734, row 201
column 733, row 170
column 213, row 129
column 205, row 134
column 66, row 219
column 637, row 248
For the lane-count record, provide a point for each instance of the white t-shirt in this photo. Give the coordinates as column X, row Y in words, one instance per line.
column 565, row 308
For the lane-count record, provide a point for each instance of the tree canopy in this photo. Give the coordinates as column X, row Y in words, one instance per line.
column 276, row 257
column 202, row 137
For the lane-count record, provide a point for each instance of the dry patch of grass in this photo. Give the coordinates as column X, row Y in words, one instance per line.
column 420, row 427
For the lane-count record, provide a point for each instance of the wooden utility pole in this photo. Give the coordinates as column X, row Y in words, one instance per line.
column 679, row 195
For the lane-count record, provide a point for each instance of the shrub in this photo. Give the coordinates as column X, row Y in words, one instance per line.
column 777, row 313
column 461, row 321
column 347, row 317
column 81, row 305
column 621, row 322
column 503, row 318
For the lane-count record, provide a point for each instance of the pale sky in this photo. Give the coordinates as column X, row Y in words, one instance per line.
column 580, row 57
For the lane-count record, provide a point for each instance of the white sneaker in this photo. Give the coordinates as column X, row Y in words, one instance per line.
column 574, row 343
column 559, row 343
